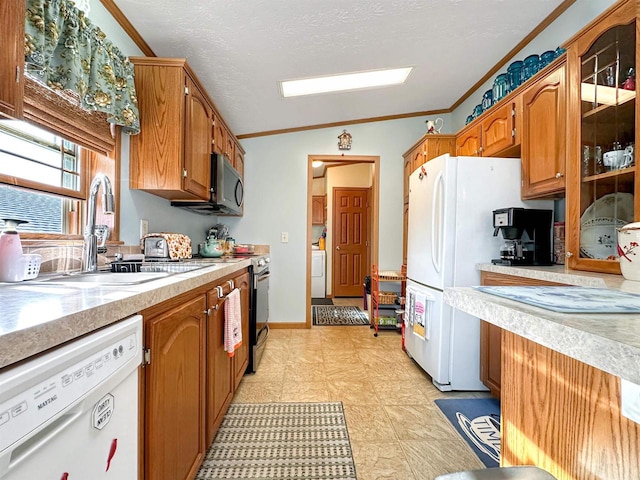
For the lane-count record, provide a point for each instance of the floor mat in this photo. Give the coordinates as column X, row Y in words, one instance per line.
column 338, row 315
column 281, row 441
column 321, row 301
column 477, row 420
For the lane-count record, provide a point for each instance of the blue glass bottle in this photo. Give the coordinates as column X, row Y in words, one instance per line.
column 500, row 87
column 514, row 72
column 530, row 67
column 487, row 100
column 546, row 58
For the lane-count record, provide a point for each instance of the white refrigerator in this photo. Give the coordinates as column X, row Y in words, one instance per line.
column 451, row 200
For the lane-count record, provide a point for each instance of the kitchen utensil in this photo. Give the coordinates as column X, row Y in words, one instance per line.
column 170, row 246
column 11, row 262
column 212, row 248
column 614, row 159
column 598, row 237
column 628, row 249
column 614, row 205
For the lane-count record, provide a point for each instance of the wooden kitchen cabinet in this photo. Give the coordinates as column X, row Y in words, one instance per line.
column 318, row 209
column 493, row 134
column 174, row 381
column 239, row 160
column 241, row 357
column 491, row 335
column 602, row 122
column 219, row 135
column 544, row 136
column 220, row 378
column 12, row 58
column 171, row 157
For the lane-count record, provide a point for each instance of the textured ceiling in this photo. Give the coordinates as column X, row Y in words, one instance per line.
column 240, row 50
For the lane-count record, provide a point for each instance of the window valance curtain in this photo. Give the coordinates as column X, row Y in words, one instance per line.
column 65, row 51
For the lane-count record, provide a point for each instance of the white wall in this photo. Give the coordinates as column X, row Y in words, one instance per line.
column 561, row 30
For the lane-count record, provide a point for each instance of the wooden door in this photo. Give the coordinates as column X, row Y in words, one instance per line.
column 219, row 135
column 241, row 357
column 239, row 160
column 498, row 130
column 468, row 142
column 12, row 58
column 349, row 241
column 436, row 145
column 197, row 148
column 219, row 367
column 174, row 392
column 544, row 136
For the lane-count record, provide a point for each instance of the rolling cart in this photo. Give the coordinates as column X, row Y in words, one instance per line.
column 385, row 309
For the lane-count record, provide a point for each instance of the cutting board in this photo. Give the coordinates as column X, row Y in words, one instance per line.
column 570, row 299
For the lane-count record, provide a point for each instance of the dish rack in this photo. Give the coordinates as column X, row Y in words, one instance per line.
column 389, row 302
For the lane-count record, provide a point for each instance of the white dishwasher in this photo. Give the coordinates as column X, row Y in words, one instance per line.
column 72, row 413
column 318, row 272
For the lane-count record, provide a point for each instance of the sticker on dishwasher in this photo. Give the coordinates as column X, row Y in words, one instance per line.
column 102, row 411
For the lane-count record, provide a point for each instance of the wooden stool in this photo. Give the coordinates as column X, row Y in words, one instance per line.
column 501, row 473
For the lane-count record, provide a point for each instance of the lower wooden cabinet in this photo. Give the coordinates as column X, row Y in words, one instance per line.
column 219, row 367
column 174, row 418
column 189, row 379
column 491, row 336
column 241, row 357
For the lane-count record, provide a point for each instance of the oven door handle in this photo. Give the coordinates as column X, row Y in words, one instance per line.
column 259, row 278
column 261, row 340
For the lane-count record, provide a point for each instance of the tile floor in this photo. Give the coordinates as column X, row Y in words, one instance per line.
column 396, row 430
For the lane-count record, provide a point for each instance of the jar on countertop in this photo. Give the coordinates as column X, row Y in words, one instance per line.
column 629, row 250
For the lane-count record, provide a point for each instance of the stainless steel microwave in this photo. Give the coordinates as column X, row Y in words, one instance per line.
column 227, row 191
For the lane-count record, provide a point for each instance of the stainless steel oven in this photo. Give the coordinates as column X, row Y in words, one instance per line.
column 259, row 310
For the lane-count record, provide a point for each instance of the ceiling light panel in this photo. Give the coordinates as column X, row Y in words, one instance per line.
column 344, row 82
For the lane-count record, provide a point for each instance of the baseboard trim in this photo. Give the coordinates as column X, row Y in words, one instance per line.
column 285, row 325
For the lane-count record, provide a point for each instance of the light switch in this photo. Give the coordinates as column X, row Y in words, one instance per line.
column 630, row 400
column 284, row 238
column 144, row 227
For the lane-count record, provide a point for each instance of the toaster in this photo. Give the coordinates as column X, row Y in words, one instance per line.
column 166, row 246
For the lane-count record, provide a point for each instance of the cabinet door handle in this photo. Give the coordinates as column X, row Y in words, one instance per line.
column 559, row 175
column 568, row 254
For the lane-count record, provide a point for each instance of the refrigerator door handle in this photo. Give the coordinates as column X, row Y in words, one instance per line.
column 436, row 222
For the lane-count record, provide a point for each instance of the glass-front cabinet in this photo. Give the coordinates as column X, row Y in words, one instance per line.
column 602, row 183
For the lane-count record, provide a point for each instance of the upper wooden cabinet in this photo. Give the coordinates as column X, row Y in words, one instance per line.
column 219, row 136
column 544, row 111
column 12, row 58
column 495, row 133
column 602, row 183
column 318, row 209
column 238, row 162
column 171, row 157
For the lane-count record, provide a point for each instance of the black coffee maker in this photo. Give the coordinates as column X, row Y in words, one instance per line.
column 527, row 234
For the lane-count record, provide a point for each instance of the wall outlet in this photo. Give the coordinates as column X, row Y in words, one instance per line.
column 144, row 227
column 284, row 237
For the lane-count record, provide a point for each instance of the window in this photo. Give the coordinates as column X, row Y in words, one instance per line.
column 42, row 176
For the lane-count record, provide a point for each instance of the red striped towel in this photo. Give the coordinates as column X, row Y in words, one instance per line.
column 232, row 322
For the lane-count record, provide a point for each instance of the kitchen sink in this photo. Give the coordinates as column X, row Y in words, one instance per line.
column 148, row 273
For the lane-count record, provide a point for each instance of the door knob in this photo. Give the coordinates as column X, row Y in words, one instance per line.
column 559, row 175
column 338, row 247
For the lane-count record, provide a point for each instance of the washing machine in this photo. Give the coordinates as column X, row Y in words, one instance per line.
column 318, row 273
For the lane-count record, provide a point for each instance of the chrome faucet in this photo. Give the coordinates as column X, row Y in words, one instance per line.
column 90, row 247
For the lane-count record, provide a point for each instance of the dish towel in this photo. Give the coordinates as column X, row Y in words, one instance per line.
column 232, row 322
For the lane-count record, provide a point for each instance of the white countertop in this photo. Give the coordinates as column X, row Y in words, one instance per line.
column 609, row 342
column 38, row 316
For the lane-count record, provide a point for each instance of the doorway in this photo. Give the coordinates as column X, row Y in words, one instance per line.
column 364, row 172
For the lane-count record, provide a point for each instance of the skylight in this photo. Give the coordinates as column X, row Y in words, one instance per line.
column 344, row 82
